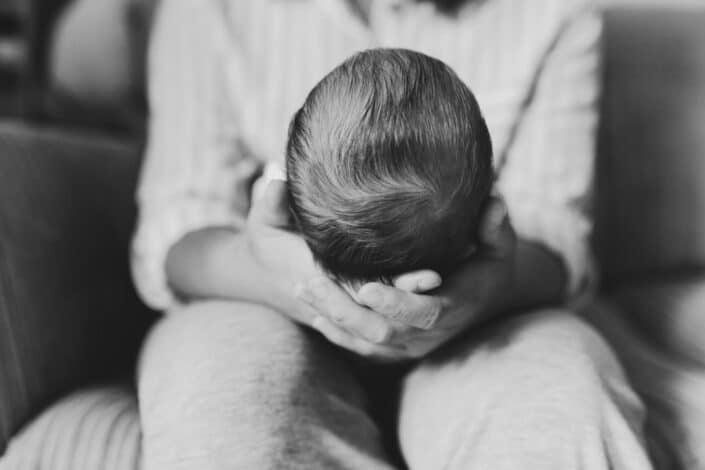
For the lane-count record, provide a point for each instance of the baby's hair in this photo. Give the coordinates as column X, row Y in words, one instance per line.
column 389, row 164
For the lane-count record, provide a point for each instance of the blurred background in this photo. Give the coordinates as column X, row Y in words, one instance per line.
column 69, row 59
column 64, row 58
column 14, row 53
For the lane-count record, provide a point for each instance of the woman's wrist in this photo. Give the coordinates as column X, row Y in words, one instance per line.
column 219, row 263
column 197, row 264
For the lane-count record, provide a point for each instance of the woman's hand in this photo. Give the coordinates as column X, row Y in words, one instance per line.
column 281, row 259
column 477, row 291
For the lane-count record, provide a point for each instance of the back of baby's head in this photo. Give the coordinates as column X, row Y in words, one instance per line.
column 389, row 163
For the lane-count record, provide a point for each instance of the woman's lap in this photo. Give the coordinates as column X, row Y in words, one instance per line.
column 234, row 382
column 541, row 390
column 231, row 385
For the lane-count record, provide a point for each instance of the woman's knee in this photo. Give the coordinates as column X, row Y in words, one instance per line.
column 534, row 355
column 538, row 384
column 233, row 384
column 561, row 339
column 209, row 347
column 553, row 356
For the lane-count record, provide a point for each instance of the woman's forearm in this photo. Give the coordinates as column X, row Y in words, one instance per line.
column 196, row 265
column 216, row 263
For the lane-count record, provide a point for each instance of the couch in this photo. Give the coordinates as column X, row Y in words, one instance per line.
column 66, row 213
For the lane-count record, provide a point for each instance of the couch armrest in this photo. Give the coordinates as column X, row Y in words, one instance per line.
column 68, row 310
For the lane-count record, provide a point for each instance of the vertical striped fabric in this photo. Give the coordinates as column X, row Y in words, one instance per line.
column 94, row 429
column 227, row 75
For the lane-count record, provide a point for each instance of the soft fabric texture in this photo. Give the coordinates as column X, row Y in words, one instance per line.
column 225, row 78
column 438, row 395
column 229, row 385
column 95, row 429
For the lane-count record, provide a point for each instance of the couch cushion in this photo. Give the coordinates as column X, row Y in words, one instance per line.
column 671, row 313
column 651, row 170
column 68, row 311
column 92, row 429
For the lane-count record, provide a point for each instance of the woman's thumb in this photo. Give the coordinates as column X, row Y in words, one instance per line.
column 272, row 207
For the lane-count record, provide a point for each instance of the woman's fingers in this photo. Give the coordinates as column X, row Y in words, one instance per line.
column 418, row 281
column 335, row 304
column 345, row 340
column 420, row 311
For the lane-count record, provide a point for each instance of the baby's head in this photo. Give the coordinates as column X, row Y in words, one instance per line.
column 389, row 164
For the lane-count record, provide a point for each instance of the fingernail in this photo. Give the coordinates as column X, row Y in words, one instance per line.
column 429, row 283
